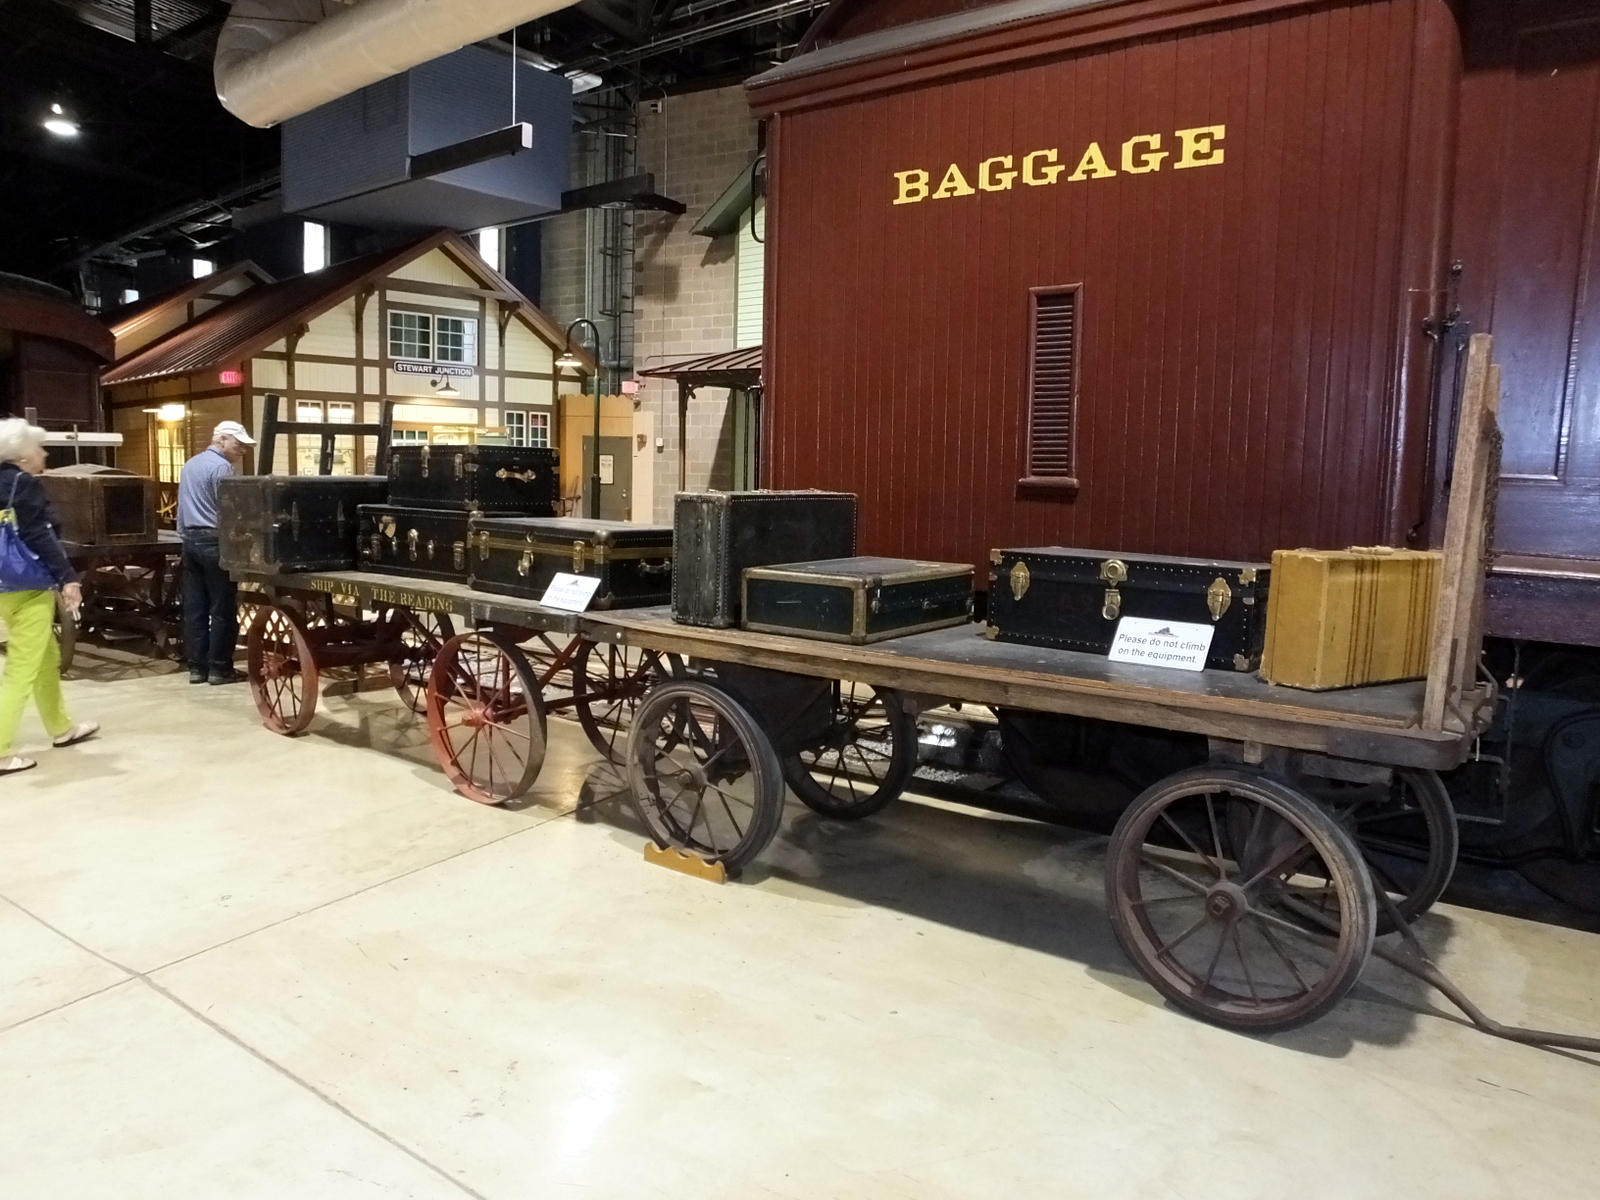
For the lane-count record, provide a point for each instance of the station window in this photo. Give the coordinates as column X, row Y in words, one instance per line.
column 426, row 337
column 527, row 428
column 1053, row 386
column 410, row 335
column 413, row 437
column 455, row 340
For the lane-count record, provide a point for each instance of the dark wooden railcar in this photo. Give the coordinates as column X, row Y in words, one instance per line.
column 1008, row 305
column 1149, row 276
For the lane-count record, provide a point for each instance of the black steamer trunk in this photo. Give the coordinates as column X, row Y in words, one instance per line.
column 505, row 479
column 857, row 600
column 718, row 535
column 519, row 556
column 293, row 522
column 1073, row 599
column 430, row 543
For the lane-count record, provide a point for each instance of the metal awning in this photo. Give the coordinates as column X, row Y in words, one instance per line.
column 723, row 215
column 729, row 368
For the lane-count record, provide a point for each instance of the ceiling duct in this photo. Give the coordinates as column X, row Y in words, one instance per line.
column 279, row 58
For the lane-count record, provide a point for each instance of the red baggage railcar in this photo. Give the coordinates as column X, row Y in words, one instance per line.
column 1171, row 277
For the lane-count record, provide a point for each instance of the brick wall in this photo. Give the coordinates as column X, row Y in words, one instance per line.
column 684, row 285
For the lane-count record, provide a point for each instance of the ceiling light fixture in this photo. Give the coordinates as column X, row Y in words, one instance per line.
column 61, row 126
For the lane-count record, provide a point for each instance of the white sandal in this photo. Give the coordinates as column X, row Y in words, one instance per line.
column 14, row 763
column 81, row 732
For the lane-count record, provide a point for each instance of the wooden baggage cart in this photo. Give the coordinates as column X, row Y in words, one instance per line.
column 483, row 669
column 1241, row 887
column 1244, row 887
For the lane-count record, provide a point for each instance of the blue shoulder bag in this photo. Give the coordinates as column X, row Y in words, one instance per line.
column 21, row 570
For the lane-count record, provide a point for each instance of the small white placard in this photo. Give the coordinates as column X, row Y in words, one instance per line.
column 570, row 593
column 1180, row 644
column 608, row 469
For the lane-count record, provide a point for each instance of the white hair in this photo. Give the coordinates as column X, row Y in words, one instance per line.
column 17, row 437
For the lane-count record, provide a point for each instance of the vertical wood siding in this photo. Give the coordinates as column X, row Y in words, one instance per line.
column 1239, row 323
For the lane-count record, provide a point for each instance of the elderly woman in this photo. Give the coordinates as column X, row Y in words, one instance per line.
column 33, row 659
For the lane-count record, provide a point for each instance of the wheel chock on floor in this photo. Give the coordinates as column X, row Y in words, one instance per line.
column 676, row 860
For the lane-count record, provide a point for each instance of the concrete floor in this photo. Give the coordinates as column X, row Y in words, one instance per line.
column 238, row 965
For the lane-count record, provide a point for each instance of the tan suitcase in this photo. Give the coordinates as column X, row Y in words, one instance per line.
column 1339, row 618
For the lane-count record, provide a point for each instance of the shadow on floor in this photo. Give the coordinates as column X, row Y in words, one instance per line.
column 1036, row 886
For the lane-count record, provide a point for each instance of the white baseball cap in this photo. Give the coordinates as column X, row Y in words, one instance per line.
column 234, row 430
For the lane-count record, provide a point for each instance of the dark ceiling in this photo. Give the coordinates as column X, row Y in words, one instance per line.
column 159, row 164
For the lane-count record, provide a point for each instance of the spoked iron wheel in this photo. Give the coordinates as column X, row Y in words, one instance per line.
column 282, row 670
column 422, row 634
column 553, row 663
column 485, row 718
column 704, row 774
column 609, row 683
column 1239, row 899
column 865, row 760
column 1407, row 833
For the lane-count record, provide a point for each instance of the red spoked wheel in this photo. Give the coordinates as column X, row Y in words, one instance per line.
column 421, row 634
column 282, row 670
column 485, row 717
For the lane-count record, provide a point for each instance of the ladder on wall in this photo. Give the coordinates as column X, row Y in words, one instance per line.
column 328, row 431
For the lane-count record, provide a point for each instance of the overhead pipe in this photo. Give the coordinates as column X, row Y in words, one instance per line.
column 277, row 59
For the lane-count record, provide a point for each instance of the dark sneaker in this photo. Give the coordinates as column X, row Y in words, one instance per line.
column 229, row 676
column 197, row 675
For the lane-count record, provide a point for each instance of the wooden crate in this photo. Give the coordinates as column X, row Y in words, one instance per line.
column 101, row 506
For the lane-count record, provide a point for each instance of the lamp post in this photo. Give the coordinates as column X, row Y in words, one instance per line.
column 569, row 359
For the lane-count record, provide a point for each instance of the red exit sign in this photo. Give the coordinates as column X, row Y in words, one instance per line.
column 231, row 378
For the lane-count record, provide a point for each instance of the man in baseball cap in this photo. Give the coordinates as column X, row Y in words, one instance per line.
column 210, row 598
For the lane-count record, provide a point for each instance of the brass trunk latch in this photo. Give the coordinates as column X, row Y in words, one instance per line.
column 425, row 462
column 461, row 465
column 1218, row 597
column 458, row 555
column 430, row 549
column 483, row 545
column 377, row 547
column 579, row 557
column 1020, row 578
column 412, row 537
column 1114, row 571
column 527, row 476
column 525, row 563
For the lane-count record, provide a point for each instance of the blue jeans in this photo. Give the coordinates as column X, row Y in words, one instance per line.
column 210, row 605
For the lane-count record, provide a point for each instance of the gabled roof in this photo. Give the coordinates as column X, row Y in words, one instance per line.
column 242, row 327
column 129, row 317
column 727, row 368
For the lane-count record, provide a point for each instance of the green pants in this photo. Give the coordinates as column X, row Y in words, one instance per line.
column 33, row 665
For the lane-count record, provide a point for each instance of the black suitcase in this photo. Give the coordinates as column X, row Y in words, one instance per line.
column 498, row 479
column 857, row 600
column 292, row 522
column 1073, row 599
column 519, row 556
column 716, row 536
column 430, row 543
